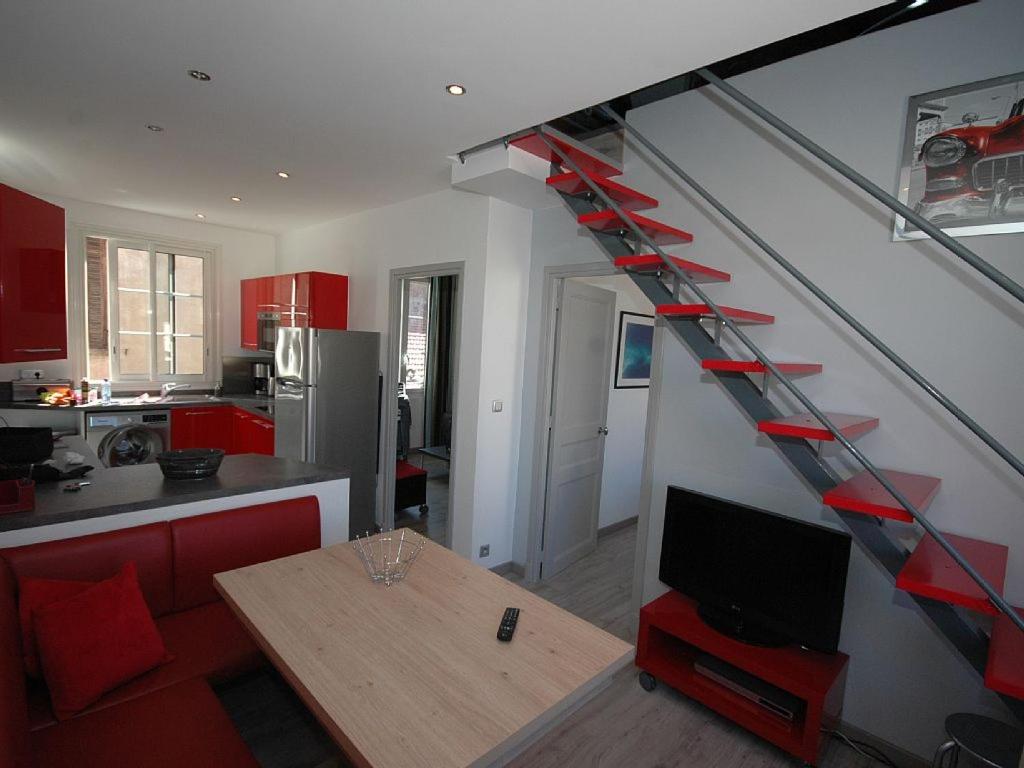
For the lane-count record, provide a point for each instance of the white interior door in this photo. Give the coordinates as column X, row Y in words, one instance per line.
column 579, row 409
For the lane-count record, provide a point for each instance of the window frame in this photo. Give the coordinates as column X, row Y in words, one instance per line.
column 152, row 247
column 78, row 235
column 420, row 386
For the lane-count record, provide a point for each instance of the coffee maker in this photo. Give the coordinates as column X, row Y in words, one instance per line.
column 263, row 378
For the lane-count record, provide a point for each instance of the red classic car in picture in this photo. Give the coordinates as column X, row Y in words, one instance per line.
column 975, row 171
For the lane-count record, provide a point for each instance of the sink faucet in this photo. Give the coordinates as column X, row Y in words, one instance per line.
column 166, row 389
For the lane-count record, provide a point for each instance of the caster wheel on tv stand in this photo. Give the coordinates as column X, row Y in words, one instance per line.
column 647, row 681
column 424, row 509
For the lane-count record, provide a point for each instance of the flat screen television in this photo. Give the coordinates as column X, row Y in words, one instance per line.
column 761, row 577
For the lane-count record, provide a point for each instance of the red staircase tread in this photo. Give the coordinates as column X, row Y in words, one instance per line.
column 807, row 426
column 652, row 261
column 661, row 234
column 588, row 160
column 1005, row 670
column 704, row 311
column 863, row 493
column 631, row 200
column 753, row 366
column 931, row 572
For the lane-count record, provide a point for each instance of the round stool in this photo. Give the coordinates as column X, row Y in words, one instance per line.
column 990, row 741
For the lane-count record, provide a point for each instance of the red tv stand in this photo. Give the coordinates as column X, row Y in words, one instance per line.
column 671, row 638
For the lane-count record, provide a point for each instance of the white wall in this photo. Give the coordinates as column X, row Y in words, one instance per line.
column 627, row 417
column 557, row 242
column 947, row 322
column 490, row 238
column 243, row 254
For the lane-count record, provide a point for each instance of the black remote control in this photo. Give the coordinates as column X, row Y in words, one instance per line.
column 508, row 624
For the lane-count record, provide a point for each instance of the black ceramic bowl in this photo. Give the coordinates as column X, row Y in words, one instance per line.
column 190, row 463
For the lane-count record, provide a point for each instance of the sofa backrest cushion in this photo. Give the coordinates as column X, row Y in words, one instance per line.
column 222, row 541
column 99, row 556
column 15, row 748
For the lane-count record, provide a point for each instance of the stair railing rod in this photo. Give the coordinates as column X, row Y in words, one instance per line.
column 849, row 319
column 728, row 322
column 951, row 244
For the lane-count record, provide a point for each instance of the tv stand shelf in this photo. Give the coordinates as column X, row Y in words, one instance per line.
column 672, row 636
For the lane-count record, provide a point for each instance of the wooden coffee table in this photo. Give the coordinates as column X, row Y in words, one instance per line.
column 412, row 674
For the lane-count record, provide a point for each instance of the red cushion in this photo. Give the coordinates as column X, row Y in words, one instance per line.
column 15, row 747
column 99, row 556
column 95, row 641
column 222, row 541
column 183, row 725
column 206, row 642
column 35, row 593
column 404, row 469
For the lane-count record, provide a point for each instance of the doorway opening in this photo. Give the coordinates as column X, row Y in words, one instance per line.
column 592, row 492
column 425, row 358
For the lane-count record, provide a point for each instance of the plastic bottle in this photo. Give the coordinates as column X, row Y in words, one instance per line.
column 105, row 391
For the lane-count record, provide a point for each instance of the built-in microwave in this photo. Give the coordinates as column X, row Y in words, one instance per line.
column 267, row 324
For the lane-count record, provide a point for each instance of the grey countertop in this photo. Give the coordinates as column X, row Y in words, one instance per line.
column 129, row 489
column 256, row 404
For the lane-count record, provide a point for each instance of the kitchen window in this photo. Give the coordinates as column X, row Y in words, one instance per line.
column 148, row 311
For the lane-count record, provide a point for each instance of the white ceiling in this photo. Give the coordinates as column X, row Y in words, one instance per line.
column 347, row 96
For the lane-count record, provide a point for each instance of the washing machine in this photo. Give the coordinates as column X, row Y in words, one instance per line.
column 122, row 438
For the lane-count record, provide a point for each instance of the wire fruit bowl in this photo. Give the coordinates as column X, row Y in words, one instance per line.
column 388, row 556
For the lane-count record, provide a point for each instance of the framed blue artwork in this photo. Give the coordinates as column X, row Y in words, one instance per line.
column 636, row 342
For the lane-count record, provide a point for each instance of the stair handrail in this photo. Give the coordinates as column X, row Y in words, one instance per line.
column 941, row 398
column 949, row 243
column 728, row 322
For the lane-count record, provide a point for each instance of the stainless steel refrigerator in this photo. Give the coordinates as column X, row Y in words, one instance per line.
column 325, row 408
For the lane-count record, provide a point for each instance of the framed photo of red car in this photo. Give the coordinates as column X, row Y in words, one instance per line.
column 963, row 159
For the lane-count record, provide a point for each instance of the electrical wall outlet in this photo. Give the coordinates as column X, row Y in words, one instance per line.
column 31, row 373
column 485, row 550
column 497, row 405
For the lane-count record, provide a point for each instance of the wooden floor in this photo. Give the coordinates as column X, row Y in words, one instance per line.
column 433, row 525
column 623, row 726
column 627, row 726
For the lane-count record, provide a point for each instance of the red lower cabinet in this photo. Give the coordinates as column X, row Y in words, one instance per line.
column 251, row 433
column 222, row 426
column 262, row 436
column 202, row 427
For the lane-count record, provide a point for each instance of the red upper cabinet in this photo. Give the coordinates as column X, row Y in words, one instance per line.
column 250, row 306
column 300, row 299
column 325, row 297
column 33, row 307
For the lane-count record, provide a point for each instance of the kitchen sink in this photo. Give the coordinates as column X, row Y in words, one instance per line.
column 189, row 399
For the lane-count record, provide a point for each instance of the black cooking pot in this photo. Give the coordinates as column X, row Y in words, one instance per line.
column 25, row 445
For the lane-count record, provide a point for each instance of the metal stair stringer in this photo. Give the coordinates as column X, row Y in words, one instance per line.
column 960, row 632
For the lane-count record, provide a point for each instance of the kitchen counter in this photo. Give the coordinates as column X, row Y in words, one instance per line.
column 255, row 404
column 143, row 487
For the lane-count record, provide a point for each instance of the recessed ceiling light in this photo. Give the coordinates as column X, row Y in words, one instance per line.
column 200, row 215
column 916, row 4
column 455, row 89
column 198, row 74
column 236, row 199
column 155, row 128
column 284, row 174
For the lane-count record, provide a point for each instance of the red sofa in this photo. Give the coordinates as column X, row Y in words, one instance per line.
column 168, row 716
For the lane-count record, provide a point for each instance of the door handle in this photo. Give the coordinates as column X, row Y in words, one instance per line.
column 602, row 431
column 40, row 349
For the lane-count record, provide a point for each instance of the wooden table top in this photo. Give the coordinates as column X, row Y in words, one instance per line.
column 412, row 674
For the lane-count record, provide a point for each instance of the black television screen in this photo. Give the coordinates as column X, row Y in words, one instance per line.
column 766, row 576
